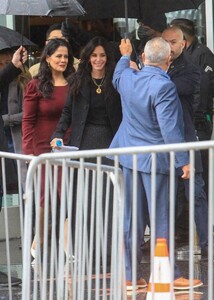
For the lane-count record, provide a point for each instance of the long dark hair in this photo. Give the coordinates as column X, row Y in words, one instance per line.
column 44, row 76
column 85, row 68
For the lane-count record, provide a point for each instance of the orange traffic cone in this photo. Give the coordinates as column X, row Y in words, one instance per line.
column 159, row 283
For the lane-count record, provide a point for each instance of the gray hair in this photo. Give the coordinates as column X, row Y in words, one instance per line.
column 156, row 51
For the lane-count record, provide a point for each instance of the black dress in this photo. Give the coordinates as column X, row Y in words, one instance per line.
column 97, row 132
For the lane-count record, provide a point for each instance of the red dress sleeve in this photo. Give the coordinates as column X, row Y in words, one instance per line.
column 30, row 107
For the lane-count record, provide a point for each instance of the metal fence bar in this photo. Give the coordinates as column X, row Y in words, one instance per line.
column 11, row 193
column 191, row 219
column 172, row 219
column 153, row 216
column 53, row 262
column 21, row 189
column 134, row 225
column 210, row 224
column 6, row 228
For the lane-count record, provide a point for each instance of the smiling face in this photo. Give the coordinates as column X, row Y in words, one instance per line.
column 58, row 61
column 174, row 37
column 98, row 59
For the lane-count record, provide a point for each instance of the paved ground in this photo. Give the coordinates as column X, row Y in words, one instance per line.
column 201, row 272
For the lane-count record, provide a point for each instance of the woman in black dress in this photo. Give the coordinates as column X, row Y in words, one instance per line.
column 93, row 107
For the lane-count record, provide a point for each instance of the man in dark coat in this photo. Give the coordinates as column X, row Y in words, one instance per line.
column 8, row 74
column 186, row 78
column 201, row 56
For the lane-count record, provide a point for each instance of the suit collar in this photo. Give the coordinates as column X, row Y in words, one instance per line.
column 154, row 70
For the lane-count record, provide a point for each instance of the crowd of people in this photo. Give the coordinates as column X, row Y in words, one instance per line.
column 95, row 102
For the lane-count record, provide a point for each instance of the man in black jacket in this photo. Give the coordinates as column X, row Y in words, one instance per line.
column 201, row 56
column 8, row 74
column 186, row 77
column 150, row 26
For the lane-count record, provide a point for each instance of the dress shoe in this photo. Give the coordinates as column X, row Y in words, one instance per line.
column 140, row 284
column 182, row 283
column 4, row 280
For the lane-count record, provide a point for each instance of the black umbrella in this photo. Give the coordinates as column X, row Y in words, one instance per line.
column 139, row 9
column 99, row 9
column 3, row 44
column 41, row 7
column 11, row 39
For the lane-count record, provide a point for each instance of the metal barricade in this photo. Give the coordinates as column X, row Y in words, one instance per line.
column 91, row 206
column 89, row 270
column 12, row 180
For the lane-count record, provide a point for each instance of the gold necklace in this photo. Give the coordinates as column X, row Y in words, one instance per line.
column 98, row 90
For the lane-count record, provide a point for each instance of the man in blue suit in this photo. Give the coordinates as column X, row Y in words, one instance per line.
column 152, row 115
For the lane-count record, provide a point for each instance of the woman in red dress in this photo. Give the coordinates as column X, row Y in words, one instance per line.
column 44, row 100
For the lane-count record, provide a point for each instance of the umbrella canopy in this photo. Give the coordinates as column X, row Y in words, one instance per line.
column 135, row 8
column 3, row 44
column 10, row 39
column 41, row 7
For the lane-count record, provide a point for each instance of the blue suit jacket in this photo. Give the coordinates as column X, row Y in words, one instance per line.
column 152, row 115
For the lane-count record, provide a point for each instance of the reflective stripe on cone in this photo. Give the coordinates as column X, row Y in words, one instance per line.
column 159, row 283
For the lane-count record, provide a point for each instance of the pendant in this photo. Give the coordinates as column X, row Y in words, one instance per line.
column 98, row 90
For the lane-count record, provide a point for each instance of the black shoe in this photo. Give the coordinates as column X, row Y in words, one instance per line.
column 4, row 280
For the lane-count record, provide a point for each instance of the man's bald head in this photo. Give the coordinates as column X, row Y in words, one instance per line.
column 157, row 53
column 174, row 36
